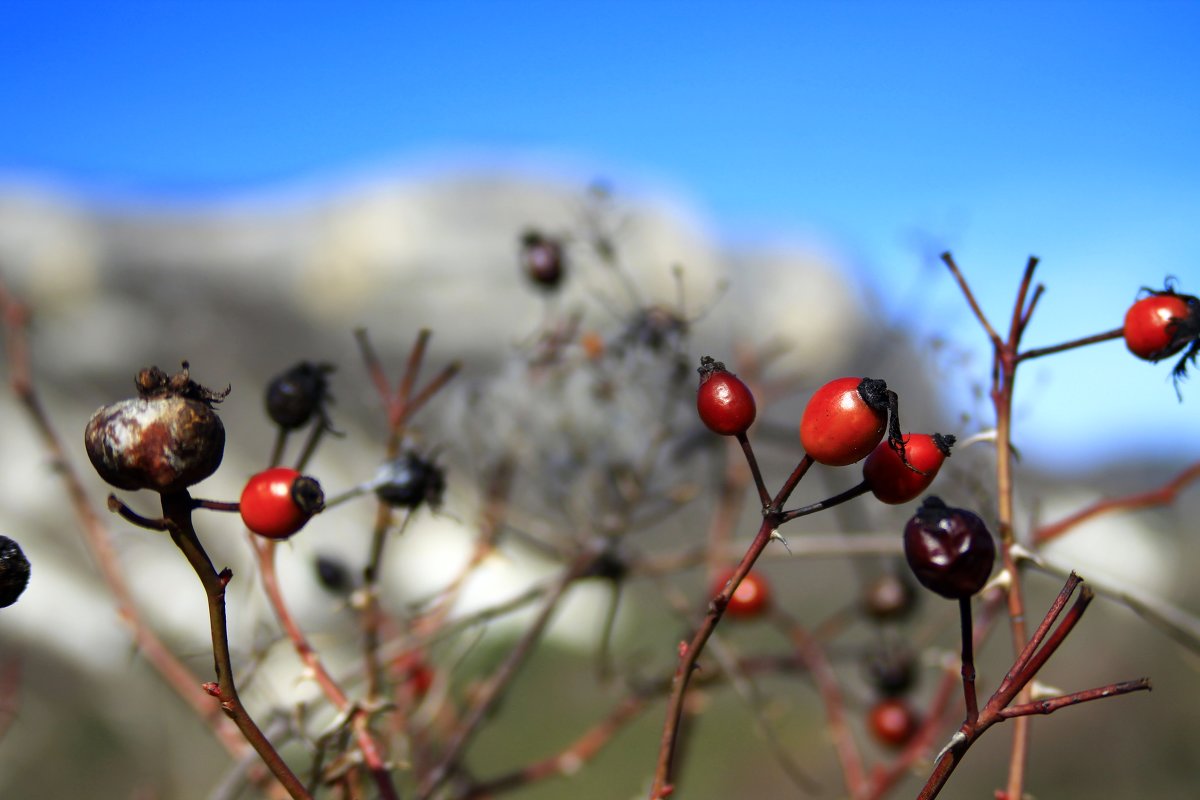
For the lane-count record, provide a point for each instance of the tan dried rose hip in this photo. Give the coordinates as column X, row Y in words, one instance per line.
column 166, row 439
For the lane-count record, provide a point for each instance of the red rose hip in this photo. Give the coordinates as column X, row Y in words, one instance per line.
column 751, row 597
column 845, row 419
column 277, row 502
column 724, row 402
column 1161, row 324
column 894, row 482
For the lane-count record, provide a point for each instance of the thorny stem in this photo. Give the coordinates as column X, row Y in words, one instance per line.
column 1031, row 658
column 689, row 654
column 1003, row 376
column 968, row 661
column 177, row 511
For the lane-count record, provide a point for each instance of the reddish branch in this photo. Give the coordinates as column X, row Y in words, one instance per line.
column 359, row 716
column 1162, row 496
column 1033, row 656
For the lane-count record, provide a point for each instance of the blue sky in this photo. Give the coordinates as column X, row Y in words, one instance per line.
column 891, row 131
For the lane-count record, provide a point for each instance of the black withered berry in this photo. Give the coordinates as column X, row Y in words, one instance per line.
column 891, row 668
column 14, row 571
column 165, row 439
column 295, row 395
column 410, row 480
column 949, row 549
column 333, row 575
column 542, row 259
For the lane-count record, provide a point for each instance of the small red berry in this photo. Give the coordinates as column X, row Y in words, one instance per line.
column 1151, row 324
column 165, row 439
column 949, row 549
column 1162, row 324
column 892, row 481
column 725, row 403
column 278, row 501
column 751, row 597
column 892, row 722
column 846, row 418
column 413, row 675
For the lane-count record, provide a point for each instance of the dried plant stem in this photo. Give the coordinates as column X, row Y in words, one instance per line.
column 177, row 511
column 689, row 654
column 1032, row 657
column 359, row 720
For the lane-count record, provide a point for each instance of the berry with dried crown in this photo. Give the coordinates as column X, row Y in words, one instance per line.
column 166, row 439
column 724, row 402
column 949, row 549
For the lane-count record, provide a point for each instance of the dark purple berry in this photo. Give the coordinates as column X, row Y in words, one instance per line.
column 410, row 480
column 14, row 571
column 949, row 549
column 294, row 396
column 333, row 575
column 542, row 259
column 165, row 439
column 891, row 668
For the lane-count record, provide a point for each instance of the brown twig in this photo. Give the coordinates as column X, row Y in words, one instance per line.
column 177, row 511
column 1162, row 496
column 1033, row 656
column 359, row 717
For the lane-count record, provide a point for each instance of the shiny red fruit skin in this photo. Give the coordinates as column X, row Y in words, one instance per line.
column 725, row 404
column 892, row 722
column 1150, row 325
column 838, row 427
column 894, row 483
column 750, row 599
column 267, row 505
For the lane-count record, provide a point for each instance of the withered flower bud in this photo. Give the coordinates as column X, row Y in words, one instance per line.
column 165, row 439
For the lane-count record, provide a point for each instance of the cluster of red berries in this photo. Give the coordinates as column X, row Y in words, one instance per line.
column 843, row 423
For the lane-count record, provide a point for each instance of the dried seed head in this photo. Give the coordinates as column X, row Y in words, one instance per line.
column 165, row 439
